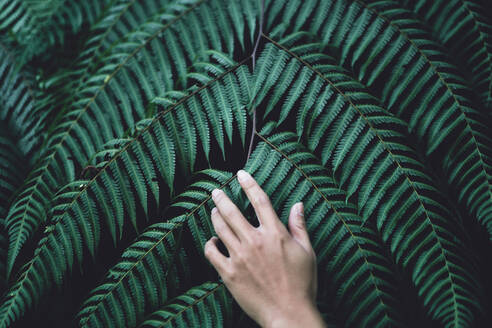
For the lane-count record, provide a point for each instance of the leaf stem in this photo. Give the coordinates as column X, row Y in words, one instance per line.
column 253, row 56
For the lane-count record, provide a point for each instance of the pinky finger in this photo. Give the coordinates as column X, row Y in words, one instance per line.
column 212, row 253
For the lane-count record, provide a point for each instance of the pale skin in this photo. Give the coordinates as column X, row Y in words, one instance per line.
column 270, row 271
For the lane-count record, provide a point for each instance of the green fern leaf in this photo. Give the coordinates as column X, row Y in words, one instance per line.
column 77, row 137
column 147, row 269
column 451, row 129
column 462, row 27
column 391, row 165
column 206, row 305
column 125, row 171
column 334, row 226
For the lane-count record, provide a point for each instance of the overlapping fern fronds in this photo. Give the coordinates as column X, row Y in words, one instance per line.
column 127, row 180
column 414, row 81
column 84, row 128
column 140, row 281
column 199, row 304
column 367, row 133
column 374, row 113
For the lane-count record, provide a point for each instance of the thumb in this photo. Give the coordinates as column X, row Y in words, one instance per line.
column 297, row 226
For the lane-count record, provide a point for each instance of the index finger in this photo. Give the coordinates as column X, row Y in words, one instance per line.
column 259, row 199
column 231, row 214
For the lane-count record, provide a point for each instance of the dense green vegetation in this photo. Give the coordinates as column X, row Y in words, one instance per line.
column 119, row 117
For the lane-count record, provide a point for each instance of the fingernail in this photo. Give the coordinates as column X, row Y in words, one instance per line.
column 242, row 175
column 215, row 193
column 300, row 209
column 214, row 210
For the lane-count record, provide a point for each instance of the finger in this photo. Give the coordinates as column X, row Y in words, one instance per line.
column 259, row 199
column 216, row 258
column 224, row 231
column 231, row 214
column 297, row 226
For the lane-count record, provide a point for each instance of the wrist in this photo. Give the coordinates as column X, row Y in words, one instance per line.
column 302, row 315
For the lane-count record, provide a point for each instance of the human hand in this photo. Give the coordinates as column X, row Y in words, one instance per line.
column 270, row 272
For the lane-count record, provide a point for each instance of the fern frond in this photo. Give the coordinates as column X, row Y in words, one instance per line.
column 372, row 112
column 265, row 165
column 12, row 169
column 12, row 173
column 357, row 130
column 122, row 182
column 475, row 140
column 18, row 135
column 33, row 26
column 3, row 255
column 154, row 263
column 196, row 201
column 409, row 76
column 127, row 28
column 465, row 30
column 206, row 305
column 17, row 105
column 335, row 228
column 122, row 91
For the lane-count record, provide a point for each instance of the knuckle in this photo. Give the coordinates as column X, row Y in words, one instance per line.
column 278, row 235
column 248, row 184
column 256, row 243
column 262, row 199
column 207, row 249
column 219, row 227
column 229, row 274
column 219, row 231
column 241, row 257
column 228, row 210
column 220, row 199
column 281, row 238
column 248, row 239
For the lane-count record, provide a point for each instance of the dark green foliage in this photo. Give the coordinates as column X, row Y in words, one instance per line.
column 202, row 305
column 384, row 155
column 467, row 32
column 84, row 128
column 147, row 267
column 31, row 27
column 373, row 113
column 20, row 120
